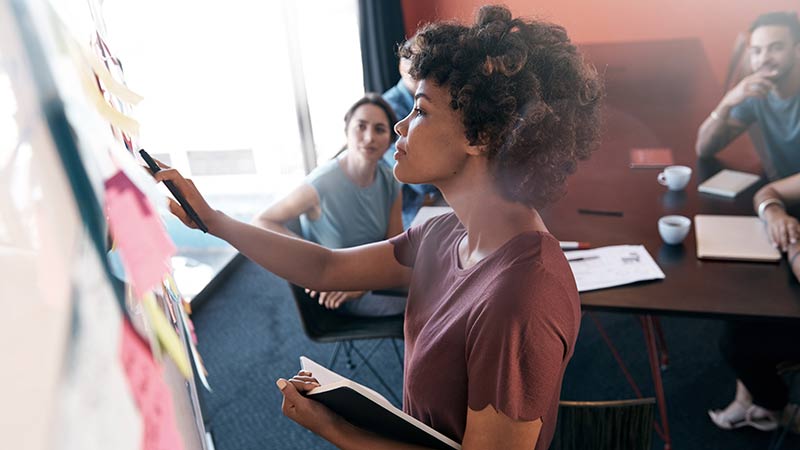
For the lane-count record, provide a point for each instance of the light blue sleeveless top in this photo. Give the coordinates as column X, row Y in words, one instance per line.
column 351, row 215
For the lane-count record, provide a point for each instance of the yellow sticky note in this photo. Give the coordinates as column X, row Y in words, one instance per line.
column 166, row 334
column 113, row 86
column 116, row 118
column 173, row 288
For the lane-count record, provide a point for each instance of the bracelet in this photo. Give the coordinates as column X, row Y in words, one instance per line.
column 762, row 207
column 715, row 115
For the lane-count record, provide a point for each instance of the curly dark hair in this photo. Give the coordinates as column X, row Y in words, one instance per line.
column 524, row 92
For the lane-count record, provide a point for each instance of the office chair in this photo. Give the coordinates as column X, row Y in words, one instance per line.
column 605, row 425
column 326, row 326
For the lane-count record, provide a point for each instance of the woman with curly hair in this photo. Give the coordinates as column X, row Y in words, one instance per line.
column 504, row 110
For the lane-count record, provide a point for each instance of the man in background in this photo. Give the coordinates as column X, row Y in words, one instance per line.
column 401, row 98
column 769, row 97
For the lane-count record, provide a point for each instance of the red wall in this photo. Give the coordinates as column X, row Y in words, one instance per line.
column 715, row 22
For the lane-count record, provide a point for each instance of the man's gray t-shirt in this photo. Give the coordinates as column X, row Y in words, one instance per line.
column 351, row 215
column 779, row 121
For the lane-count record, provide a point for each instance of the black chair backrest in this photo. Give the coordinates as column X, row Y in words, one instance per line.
column 608, row 425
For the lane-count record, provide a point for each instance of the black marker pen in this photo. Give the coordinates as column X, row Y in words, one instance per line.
column 175, row 192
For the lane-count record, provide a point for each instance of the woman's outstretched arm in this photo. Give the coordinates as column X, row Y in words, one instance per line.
column 367, row 267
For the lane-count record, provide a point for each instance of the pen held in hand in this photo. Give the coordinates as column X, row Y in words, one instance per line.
column 154, row 168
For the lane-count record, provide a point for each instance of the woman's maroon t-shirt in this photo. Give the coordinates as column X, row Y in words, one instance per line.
column 498, row 333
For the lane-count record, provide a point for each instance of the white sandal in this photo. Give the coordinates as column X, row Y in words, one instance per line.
column 739, row 414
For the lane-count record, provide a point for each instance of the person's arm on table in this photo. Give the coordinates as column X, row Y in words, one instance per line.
column 486, row 429
column 719, row 129
column 782, row 229
column 371, row 266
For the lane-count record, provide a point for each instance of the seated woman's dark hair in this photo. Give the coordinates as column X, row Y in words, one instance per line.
column 373, row 99
column 524, row 92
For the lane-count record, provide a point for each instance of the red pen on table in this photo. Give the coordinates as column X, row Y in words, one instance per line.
column 574, row 245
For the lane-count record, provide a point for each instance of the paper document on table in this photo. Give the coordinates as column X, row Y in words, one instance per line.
column 616, row 265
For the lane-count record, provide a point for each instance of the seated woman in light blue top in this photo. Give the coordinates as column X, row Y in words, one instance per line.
column 350, row 200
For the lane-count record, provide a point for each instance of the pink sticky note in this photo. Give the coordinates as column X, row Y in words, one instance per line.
column 150, row 393
column 143, row 243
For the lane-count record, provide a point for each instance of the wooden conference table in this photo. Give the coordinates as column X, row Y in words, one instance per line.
column 658, row 93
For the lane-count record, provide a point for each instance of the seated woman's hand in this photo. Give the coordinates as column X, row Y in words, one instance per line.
column 190, row 193
column 335, row 299
column 309, row 413
column 782, row 229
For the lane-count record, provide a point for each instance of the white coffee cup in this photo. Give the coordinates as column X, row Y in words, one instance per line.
column 675, row 177
column 673, row 229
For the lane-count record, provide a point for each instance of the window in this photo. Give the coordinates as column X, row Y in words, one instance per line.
column 329, row 40
column 226, row 99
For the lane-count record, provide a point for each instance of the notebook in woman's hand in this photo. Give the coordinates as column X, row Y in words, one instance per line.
column 369, row 410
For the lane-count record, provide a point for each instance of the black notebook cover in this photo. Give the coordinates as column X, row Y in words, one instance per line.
column 364, row 413
column 367, row 409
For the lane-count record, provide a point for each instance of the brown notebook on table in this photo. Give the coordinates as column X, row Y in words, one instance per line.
column 651, row 158
column 737, row 238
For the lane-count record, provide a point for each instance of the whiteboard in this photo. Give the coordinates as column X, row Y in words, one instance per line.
column 62, row 384
column 39, row 228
